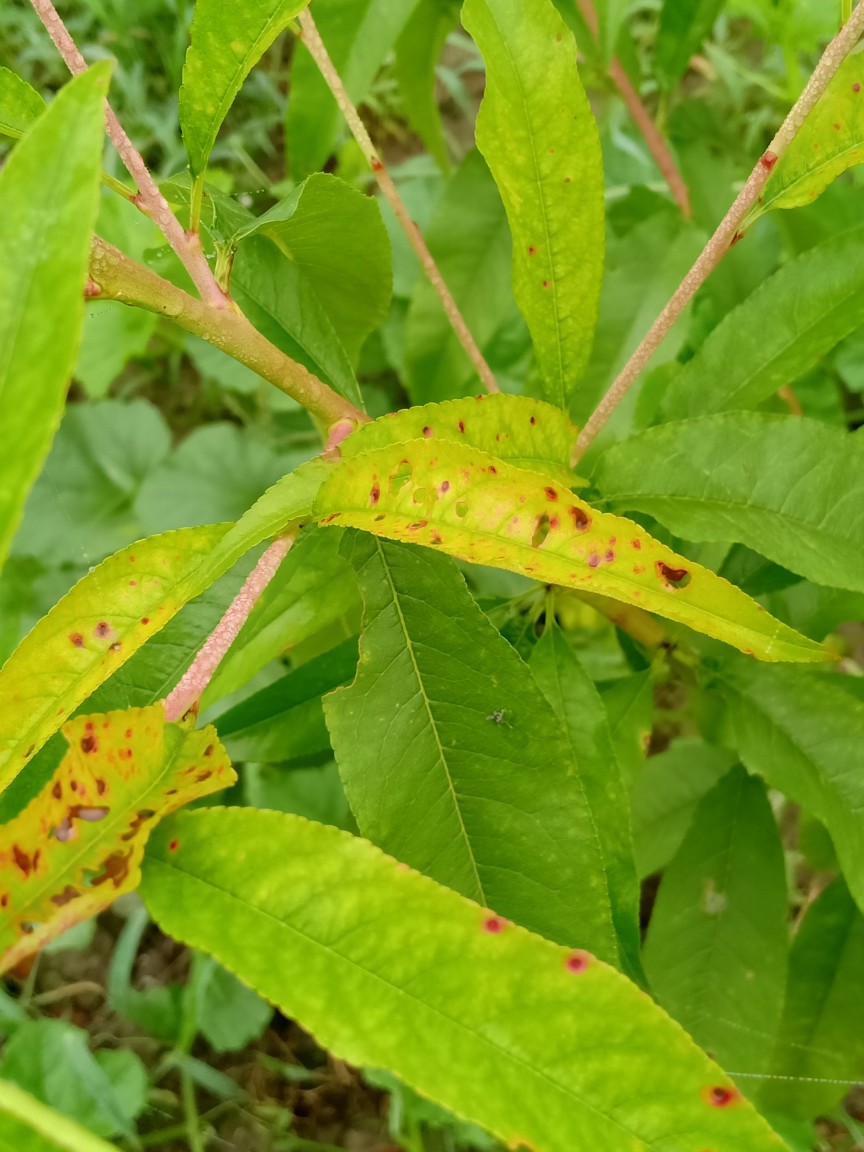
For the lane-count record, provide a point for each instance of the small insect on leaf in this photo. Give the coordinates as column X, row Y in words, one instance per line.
column 79, row 843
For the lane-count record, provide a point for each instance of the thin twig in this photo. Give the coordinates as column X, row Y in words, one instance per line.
column 114, row 276
column 149, row 199
column 311, row 37
column 729, row 231
column 641, row 117
column 191, row 688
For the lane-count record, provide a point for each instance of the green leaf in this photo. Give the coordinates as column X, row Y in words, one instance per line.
column 684, row 25
column 469, row 239
column 68, row 654
column 802, row 733
column 526, row 432
column 227, row 41
column 415, row 63
column 372, row 956
column 791, row 489
column 20, row 104
column 611, row 15
column 27, row 1123
column 79, row 843
column 285, row 720
column 230, row 1015
column 96, row 627
column 821, row 1039
column 49, row 199
column 481, row 509
column 114, row 335
column 336, row 237
column 214, row 475
column 717, row 944
column 579, row 708
column 105, row 1091
column 277, row 296
column 314, row 588
column 82, row 507
column 665, row 796
column 830, row 140
column 539, row 137
column 358, row 35
column 778, row 334
column 453, row 761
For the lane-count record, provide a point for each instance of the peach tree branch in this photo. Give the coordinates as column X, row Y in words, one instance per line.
column 200, row 672
column 311, row 37
column 149, row 199
column 641, row 117
column 728, row 231
column 114, row 276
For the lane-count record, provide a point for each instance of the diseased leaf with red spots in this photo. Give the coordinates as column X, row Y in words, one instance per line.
column 482, row 509
column 544, row 1046
column 538, row 135
column 117, row 607
column 527, row 433
column 831, row 140
column 78, row 844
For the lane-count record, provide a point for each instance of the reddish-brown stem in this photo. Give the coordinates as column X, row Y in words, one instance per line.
column 149, row 199
column 311, row 37
column 194, row 682
column 642, row 118
column 729, row 231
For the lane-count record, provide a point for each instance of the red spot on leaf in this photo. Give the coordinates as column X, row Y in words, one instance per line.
column 461, row 425
column 593, row 560
column 115, row 647
column 125, row 753
column 856, row 87
column 22, row 861
column 57, row 790
column 209, row 750
column 547, row 283
column 115, row 869
column 4, row 900
column 89, row 744
column 133, row 583
column 609, row 556
column 374, row 495
column 76, row 639
column 145, row 619
column 578, row 962
column 551, row 494
column 532, row 251
column 102, row 629
column 837, row 127
column 101, row 786
column 173, row 845
column 132, row 559
column 637, row 544
column 436, row 538
column 427, row 432
column 722, row 1097
column 533, row 420
column 494, row 924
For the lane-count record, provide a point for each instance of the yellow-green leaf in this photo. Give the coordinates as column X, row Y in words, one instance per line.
column 830, row 141
column 540, row 140
column 86, row 637
column 482, row 509
column 526, row 432
column 79, row 843
column 20, row 105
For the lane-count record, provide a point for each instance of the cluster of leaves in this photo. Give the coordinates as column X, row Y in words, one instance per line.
column 470, row 648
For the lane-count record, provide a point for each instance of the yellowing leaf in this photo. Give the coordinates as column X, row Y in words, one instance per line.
column 78, row 845
column 528, row 433
column 93, row 630
column 482, row 509
column 830, row 141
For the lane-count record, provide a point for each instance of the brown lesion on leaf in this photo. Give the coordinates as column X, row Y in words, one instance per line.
column 66, row 896
column 114, row 870
column 76, row 639
column 673, row 578
column 581, row 519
